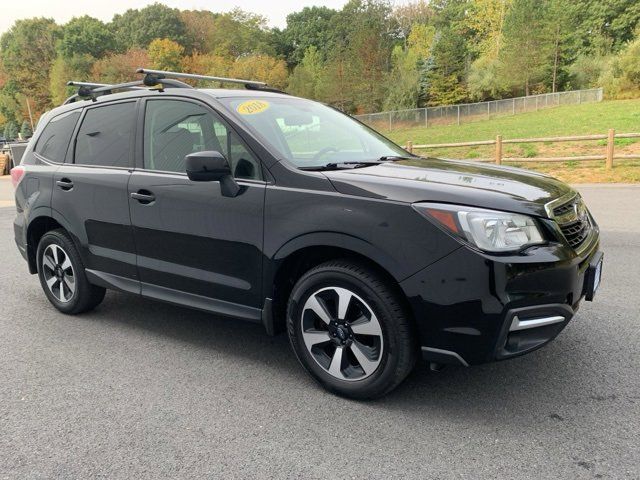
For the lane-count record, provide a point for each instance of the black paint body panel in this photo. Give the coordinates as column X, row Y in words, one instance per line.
column 197, row 247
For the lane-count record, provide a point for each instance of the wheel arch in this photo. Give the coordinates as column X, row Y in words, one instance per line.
column 301, row 254
column 35, row 231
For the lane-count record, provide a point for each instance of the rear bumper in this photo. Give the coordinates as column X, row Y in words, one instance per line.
column 19, row 234
column 472, row 308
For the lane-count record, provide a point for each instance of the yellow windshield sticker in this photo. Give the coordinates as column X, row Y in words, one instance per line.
column 251, row 107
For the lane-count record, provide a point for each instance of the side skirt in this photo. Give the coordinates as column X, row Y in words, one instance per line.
column 176, row 297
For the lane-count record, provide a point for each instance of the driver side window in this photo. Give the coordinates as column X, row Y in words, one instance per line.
column 175, row 128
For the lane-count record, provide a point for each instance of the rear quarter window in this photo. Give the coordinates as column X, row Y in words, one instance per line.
column 54, row 140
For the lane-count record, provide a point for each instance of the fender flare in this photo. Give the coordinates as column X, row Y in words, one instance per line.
column 338, row 240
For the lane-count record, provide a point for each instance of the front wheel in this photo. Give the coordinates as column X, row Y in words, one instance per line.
column 349, row 330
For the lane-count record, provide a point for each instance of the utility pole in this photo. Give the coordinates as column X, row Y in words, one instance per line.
column 30, row 116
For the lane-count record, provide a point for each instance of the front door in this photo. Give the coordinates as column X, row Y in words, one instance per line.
column 194, row 245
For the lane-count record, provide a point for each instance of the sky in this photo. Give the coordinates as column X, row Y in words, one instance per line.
column 63, row 10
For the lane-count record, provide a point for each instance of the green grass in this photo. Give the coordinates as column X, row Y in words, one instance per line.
column 588, row 118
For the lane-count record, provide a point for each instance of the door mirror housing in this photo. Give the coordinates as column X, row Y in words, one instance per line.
column 211, row 166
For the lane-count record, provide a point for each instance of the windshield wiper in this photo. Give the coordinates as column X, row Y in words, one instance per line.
column 394, row 158
column 341, row 165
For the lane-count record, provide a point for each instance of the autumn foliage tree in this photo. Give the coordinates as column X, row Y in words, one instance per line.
column 165, row 54
column 119, row 67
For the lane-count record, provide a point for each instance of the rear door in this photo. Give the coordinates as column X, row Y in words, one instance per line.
column 195, row 245
column 90, row 191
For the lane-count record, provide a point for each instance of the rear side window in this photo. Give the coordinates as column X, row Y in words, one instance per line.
column 105, row 136
column 55, row 137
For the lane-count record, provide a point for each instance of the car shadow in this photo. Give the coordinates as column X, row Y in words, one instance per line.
column 536, row 382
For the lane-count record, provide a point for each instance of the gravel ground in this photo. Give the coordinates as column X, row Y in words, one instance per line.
column 138, row 389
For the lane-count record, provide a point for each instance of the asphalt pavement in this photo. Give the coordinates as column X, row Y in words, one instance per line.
column 139, row 389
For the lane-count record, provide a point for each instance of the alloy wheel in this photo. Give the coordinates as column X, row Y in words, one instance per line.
column 342, row 333
column 58, row 273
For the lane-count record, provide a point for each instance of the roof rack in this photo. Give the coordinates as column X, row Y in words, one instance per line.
column 93, row 90
column 156, row 75
column 155, row 79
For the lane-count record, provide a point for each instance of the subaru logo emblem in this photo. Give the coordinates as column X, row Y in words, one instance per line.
column 580, row 211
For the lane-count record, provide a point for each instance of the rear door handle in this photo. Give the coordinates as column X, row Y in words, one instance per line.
column 65, row 184
column 144, row 196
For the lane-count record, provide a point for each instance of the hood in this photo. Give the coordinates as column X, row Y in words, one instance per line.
column 450, row 181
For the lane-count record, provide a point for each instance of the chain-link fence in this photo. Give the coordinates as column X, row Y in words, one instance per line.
column 469, row 112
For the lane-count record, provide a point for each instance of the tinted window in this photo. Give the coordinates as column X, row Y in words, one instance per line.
column 104, row 137
column 55, row 137
column 174, row 129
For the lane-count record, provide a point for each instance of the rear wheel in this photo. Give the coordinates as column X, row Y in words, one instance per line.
column 349, row 330
column 62, row 276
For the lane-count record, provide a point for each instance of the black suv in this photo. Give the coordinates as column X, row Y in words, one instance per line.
column 283, row 211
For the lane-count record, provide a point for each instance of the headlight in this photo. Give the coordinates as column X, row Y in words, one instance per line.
column 488, row 230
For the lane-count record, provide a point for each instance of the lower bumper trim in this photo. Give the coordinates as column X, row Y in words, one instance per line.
column 439, row 355
column 529, row 328
column 517, row 324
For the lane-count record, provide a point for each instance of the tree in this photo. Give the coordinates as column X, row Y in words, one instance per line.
column 25, row 130
column 199, row 26
column 604, row 26
column 446, row 70
column 485, row 80
column 165, row 54
column 528, row 44
column 446, row 78
column 265, row 68
column 404, row 88
column 486, row 21
column 310, row 27
column 138, row 28
column 305, row 78
column 361, row 46
column 207, row 64
column 119, row 67
column 86, row 36
column 335, row 83
column 237, row 33
column 10, row 130
column 77, row 67
column 406, row 16
column 563, row 38
column 28, row 50
column 621, row 76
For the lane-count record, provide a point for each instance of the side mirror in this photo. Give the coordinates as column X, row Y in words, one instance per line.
column 206, row 166
column 211, row 166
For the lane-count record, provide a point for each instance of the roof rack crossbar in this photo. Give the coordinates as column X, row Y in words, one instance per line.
column 160, row 74
column 75, row 83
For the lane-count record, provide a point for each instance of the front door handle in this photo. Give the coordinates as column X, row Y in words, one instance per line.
column 65, row 184
column 145, row 197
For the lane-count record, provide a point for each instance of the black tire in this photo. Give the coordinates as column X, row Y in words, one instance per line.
column 85, row 296
column 398, row 350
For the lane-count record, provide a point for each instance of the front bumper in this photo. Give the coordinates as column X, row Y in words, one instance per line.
column 473, row 308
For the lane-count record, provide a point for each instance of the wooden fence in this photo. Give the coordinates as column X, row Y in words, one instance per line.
column 608, row 156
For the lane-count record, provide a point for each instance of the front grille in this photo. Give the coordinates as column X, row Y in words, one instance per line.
column 563, row 209
column 574, row 222
column 576, row 232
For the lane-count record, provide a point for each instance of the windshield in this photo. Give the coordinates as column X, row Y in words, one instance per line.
column 310, row 134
